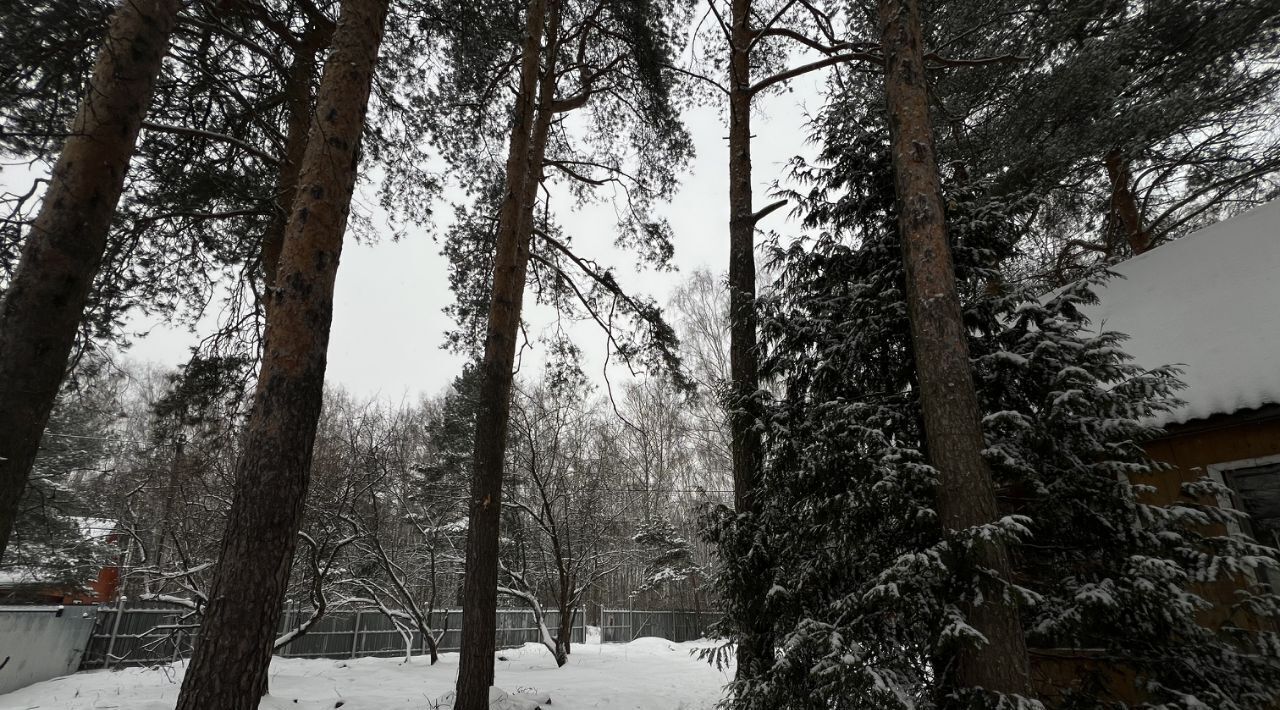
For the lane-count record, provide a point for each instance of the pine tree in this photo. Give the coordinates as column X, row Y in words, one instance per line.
column 49, row 544
column 1133, row 123
column 868, row 592
column 210, row 185
column 43, row 304
column 229, row 666
column 965, row 494
column 609, row 62
column 753, row 41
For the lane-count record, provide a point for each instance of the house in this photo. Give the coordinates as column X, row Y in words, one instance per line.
column 1208, row 303
column 59, row 584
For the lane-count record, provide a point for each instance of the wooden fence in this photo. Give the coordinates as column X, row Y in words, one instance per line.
column 147, row 634
column 624, row 625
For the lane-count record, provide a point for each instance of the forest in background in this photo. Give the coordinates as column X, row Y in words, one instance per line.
column 605, row 487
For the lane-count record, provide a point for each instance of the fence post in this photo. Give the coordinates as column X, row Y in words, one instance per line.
column 115, row 630
column 355, row 635
column 177, row 647
column 285, row 624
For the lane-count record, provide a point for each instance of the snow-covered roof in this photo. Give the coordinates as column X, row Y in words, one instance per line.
column 1210, row 303
column 95, row 528
column 14, row 576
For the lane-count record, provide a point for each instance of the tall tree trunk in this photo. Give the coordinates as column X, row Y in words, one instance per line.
column 966, row 495
column 228, row 670
column 298, row 110
column 156, row 558
column 45, row 300
column 755, row 648
column 515, row 223
column 297, row 92
column 1126, row 214
column 564, row 604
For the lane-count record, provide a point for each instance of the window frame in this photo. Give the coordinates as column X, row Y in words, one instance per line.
column 1219, row 472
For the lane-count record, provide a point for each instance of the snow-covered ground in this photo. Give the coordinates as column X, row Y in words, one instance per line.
column 646, row 674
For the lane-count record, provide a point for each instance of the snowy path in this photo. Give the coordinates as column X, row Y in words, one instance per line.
column 647, row 674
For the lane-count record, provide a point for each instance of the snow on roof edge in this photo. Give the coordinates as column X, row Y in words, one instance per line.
column 1209, row 303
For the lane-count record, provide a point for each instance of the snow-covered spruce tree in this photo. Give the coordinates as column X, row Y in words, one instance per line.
column 668, row 556
column 58, row 539
column 866, row 590
column 1114, row 575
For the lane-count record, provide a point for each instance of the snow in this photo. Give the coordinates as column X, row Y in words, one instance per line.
column 1209, row 303
column 95, row 528
column 646, row 674
column 14, row 576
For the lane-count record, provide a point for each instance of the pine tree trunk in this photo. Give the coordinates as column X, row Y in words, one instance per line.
column 755, row 648
column 966, row 495
column 515, row 225
column 298, row 110
column 228, row 670
column 45, row 301
column 1126, row 214
column 156, row 558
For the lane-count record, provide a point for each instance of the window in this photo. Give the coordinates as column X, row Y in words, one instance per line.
column 1255, row 490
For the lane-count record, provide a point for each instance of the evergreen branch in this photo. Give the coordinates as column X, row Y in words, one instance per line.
column 822, row 19
column 769, row 25
column 978, row 62
column 582, row 298
column 724, row 26
column 588, row 89
column 827, row 49
column 559, row 165
column 699, row 77
column 199, row 133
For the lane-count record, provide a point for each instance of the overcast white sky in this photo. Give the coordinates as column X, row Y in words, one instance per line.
column 388, row 321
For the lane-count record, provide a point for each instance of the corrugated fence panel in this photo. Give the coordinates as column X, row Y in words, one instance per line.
column 41, row 642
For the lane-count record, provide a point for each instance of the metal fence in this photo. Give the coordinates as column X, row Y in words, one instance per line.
column 147, row 634
column 624, row 625
column 41, row 642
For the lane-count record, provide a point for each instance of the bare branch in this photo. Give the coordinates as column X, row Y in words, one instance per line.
column 812, row 66
column 232, row 140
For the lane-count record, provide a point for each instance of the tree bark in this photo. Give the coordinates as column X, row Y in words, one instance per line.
column 953, row 430
column 1126, row 214
column 45, row 301
column 755, row 648
column 297, row 123
column 297, row 92
column 156, row 558
column 228, row 670
column 515, row 224
column 564, row 635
